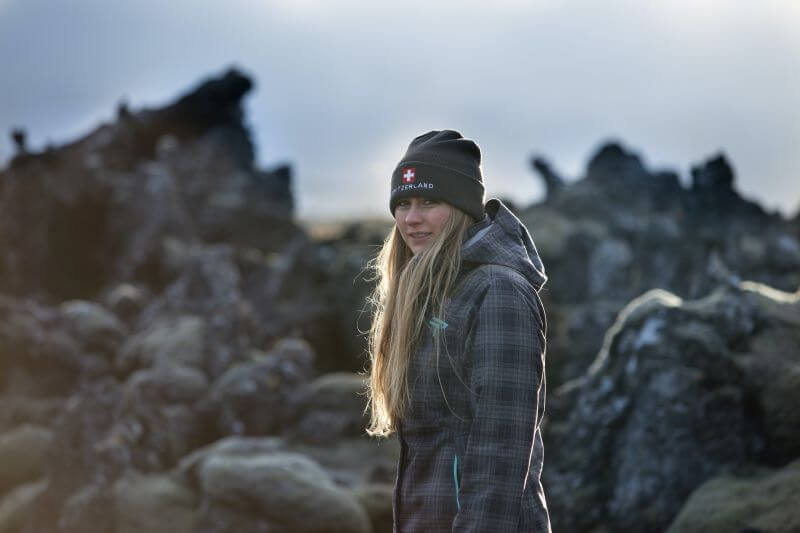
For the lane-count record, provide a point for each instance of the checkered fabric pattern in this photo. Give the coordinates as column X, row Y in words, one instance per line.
column 471, row 446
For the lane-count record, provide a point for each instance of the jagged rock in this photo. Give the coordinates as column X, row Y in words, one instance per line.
column 674, row 397
column 552, row 181
column 571, row 244
column 612, row 163
column 103, row 432
column 300, row 498
column 291, row 294
column 550, row 229
column 574, row 330
column 213, row 103
column 250, row 207
column 171, row 342
column 342, row 253
column 173, row 397
column 785, row 252
column 90, row 449
column 18, row 506
column 168, row 384
column 96, row 328
column 39, row 356
column 154, row 503
column 278, row 183
column 254, row 397
column 209, row 286
column 22, row 453
column 93, row 213
column 609, row 266
column 248, row 299
column 149, row 211
column 18, row 137
column 331, row 407
column 773, row 364
column 126, row 301
column 713, row 193
column 179, row 260
column 88, row 510
column 123, row 110
column 624, row 229
column 764, row 502
column 716, row 174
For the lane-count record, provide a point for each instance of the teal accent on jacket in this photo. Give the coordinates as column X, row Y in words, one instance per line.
column 471, row 445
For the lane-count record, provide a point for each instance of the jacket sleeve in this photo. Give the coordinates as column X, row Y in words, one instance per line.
column 507, row 354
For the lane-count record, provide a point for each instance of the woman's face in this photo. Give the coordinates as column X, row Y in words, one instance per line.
column 420, row 221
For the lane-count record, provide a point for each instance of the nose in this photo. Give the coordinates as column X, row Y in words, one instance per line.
column 413, row 215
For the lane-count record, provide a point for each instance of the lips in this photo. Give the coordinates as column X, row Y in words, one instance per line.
column 420, row 234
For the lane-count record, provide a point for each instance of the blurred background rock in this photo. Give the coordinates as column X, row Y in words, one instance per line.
column 179, row 353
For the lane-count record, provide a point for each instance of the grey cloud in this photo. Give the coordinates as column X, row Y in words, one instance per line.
column 341, row 88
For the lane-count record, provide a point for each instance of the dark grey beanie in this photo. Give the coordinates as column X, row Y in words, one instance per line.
column 441, row 165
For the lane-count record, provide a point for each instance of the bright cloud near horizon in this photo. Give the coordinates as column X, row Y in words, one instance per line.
column 341, row 88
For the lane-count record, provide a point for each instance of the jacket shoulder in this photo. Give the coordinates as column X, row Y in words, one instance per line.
column 501, row 279
column 488, row 275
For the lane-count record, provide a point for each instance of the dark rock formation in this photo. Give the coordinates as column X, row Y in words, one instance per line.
column 38, row 354
column 177, row 354
column 254, row 397
column 713, row 193
column 622, row 230
column 330, row 408
column 18, row 137
column 694, row 379
column 23, row 451
column 155, row 296
column 344, row 257
column 680, row 392
column 98, row 210
column 759, row 502
column 552, row 181
column 317, row 488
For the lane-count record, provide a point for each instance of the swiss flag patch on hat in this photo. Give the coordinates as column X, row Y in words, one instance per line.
column 409, row 175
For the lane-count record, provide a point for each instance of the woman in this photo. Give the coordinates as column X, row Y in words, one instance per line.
column 457, row 348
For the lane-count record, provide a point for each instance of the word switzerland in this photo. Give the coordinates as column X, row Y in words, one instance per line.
column 410, row 186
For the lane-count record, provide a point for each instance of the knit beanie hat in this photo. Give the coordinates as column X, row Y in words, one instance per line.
column 442, row 165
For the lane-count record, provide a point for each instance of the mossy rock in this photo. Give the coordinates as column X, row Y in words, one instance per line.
column 22, row 453
column 766, row 502
column 153, row 503
column 286, row 489
column 18, row 506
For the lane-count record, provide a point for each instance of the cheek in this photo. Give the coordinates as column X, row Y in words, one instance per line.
column 441, row 219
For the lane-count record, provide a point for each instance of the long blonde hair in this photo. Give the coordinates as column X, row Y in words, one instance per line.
column 410, row 290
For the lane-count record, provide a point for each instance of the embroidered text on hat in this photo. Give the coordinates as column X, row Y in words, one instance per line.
column 449, row 170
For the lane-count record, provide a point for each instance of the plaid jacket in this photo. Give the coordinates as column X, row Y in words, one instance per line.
column 471, row 446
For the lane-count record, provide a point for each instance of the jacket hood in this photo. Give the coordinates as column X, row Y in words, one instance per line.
column 502, row 239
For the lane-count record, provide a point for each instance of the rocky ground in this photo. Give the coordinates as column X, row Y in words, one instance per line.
column 178, row 354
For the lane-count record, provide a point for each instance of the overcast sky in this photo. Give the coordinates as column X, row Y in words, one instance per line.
column 343, row 86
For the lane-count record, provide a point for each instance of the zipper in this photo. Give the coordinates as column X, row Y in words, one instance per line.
column 455, row 479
